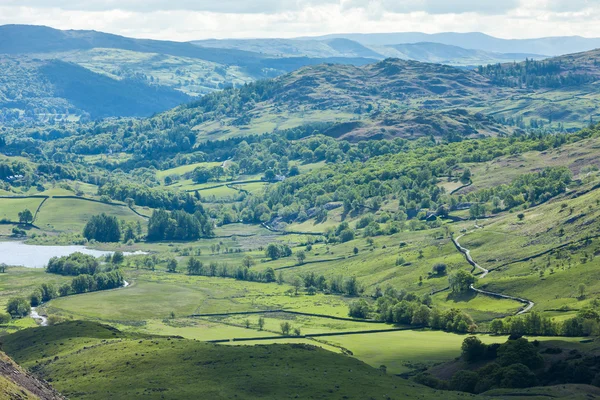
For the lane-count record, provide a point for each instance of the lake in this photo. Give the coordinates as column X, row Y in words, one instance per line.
column 35, row 256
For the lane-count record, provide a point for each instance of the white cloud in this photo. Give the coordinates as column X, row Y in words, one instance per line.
column 189, row 19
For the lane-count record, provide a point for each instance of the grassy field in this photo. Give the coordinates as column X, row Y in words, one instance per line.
column 71, row 215
column 185, row 168
column 84, row 360
column 10, row 208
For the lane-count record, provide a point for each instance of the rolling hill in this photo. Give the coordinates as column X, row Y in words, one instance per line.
column 402, row 98
column 37, row 90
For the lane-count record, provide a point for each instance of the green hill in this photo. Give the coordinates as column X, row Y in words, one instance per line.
column 35, row 90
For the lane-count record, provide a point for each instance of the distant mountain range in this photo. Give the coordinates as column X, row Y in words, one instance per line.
column 551, row 46
column 53, row 74
column 343, row 47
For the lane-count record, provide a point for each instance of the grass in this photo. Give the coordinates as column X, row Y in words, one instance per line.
column 88, row 361
column 405, row 351
column 19, row 281
column 71, row 215
column 185, row 169
column 10, row 208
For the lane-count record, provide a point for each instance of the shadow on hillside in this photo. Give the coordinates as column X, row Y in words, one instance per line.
column 463, row 297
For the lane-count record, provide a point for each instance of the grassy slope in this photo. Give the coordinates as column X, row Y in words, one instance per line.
column 95, row 362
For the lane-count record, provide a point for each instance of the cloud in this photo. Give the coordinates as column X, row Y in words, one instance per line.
column 273, row 6
column 436, row 7
column 199, row 19
column 147, row 6
column 562, row 6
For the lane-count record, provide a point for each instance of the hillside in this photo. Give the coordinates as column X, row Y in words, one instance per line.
column 15, row 383
column 96, row 362
column 158, row 74
column 35, row 90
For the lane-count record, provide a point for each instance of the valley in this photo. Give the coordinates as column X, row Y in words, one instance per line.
column 370, row 227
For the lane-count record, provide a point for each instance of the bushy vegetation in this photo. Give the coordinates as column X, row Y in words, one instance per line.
column 74, row 264
column 179, row 225
column 103, row 228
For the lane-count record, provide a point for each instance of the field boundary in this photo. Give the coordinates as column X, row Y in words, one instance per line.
column 467, row 253
column 312, row 335
column 282, row 311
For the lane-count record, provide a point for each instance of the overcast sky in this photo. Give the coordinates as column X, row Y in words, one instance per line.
column 200, row 19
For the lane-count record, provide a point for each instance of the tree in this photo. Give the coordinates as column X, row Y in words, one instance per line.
column 103, row 228
column 359, row 309
column 261, row 323
column 439, row 269
column 247, row 324
column 465, row 178
column 172, row 265
column 351, row 287
column 519, row 351
column 461, row 281
column 297, row 284
column 118, row 257
column 18, row 307
column 581, row 290
column 297, row 331
column 285, row 328
column 64, row 290
column 301, row 256
column 355, row 250
column 473, row 349
column 521, row 216
column 248, row 262
column 497, row 326
column 464, row 381
column 3, row 268
column 25, row 217
column 346, row 235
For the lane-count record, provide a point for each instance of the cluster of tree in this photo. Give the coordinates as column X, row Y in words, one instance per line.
column 400, row 307
column 241, row 273
column 74, row 264
column 532, row 189
column 100, row 281
column 517, row 364
column 147, row 196
column 585, row 323
column 103, row 228
column 179, row 225
column 276, row 251
column 461, row 281
column 80, row 284
column 411, row 177
column 533, row 74
column 18, row 307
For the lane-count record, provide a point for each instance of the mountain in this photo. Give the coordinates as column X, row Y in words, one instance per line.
column 342, row 47
column 404, row 98
column 551, row 46
column 143, row 76
column 452, row 55
column 33, row 89
column 294, row 48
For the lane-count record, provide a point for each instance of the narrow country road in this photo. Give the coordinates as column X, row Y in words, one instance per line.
column 467, row 253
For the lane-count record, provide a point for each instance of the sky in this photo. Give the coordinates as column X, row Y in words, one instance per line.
column 184, row 20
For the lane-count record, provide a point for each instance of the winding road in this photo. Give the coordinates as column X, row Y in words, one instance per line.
column 484, row 273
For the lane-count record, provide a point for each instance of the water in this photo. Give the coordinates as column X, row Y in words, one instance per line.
column 35, row 256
